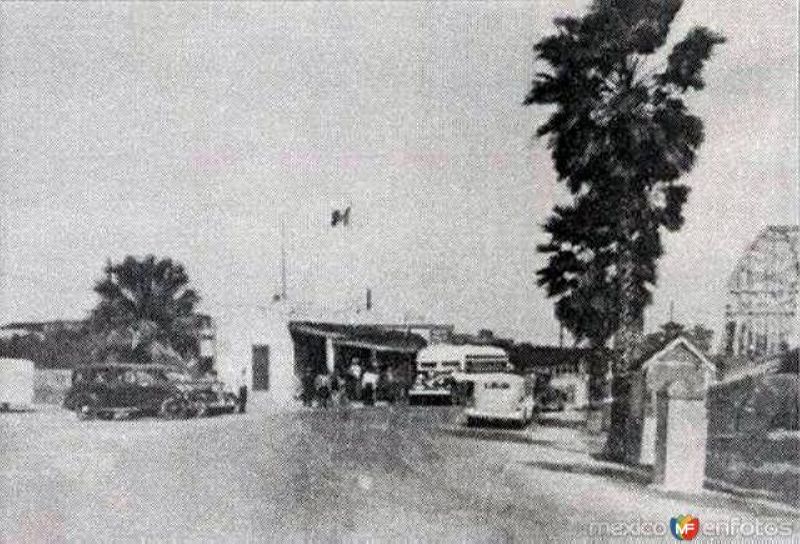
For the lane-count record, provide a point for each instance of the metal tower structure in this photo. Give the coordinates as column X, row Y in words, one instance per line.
column 761, row 313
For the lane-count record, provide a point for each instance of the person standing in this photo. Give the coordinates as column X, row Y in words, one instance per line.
column 322, row 385
column 369, row 381
column 353, row 379
column 242, row 397
column 336, row 389
column 344, row 396
column 308, row 387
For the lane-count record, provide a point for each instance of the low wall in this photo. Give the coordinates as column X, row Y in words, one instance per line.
column 763, row 465
column 753, row 437
column 50, row 385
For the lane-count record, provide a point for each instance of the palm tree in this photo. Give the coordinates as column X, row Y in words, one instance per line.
column 621, row 136
column 146, row 307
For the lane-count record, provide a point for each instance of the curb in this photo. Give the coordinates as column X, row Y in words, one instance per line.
column 748, row 497
column 759, row 506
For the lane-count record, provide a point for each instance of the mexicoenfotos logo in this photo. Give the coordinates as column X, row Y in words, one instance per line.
column 684, row 527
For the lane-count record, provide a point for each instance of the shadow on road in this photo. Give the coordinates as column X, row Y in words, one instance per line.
column 522, row 436
column 17, row 411
column 617, row 473
column 560, row 419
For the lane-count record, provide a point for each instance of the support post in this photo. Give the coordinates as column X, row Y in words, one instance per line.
column 330, row 354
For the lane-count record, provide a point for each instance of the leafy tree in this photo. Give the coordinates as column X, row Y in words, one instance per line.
column 620, row 137
column 67, row 347
column 146, row 308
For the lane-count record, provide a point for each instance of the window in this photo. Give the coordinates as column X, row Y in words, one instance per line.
column 479, row 364
column 103, row 376
column 144, row 378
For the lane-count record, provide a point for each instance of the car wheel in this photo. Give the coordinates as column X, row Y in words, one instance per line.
column 172, row 408
column 85, row 407
column 200, row 409
column 85, row 412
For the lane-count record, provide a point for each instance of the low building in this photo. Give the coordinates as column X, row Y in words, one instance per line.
column 676, row 361
column 253, row 348
column 40, row 328
column 268, row 348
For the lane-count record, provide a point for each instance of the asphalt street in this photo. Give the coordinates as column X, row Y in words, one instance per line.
column 379, row 474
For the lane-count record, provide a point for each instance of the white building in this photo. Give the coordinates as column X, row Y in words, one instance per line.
column 253, row 348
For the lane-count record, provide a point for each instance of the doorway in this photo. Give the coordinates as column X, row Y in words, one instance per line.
column 260, row 368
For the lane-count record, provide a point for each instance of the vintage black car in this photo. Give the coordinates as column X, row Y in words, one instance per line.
column 119, row 390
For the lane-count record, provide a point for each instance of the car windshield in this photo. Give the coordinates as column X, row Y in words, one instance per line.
column 101, row 375
column 178, row 377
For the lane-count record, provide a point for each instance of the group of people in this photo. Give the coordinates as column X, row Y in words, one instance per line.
column 355, row 383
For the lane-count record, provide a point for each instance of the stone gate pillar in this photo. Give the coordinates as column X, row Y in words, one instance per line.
column 682, row 428
column 330, row 354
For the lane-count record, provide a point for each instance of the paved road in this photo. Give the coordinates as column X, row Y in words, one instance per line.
column 377, row 474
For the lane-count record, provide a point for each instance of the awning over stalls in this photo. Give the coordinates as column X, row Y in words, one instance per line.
column 371, row 337
column 329, row 347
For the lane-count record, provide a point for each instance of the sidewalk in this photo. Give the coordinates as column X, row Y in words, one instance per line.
column 568, row 449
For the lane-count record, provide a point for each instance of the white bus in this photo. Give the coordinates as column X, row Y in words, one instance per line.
column 500, row 397
column 440, row 366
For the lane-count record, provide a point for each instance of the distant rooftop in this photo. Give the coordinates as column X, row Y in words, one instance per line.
column 529, row 356
column 39, row 326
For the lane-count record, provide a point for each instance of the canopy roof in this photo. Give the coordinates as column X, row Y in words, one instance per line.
column 442, row 352
column 366, row 336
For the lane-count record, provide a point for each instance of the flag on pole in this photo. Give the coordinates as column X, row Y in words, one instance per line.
column 340, row 217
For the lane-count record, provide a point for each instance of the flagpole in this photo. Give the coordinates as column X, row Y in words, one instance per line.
column 283, row 258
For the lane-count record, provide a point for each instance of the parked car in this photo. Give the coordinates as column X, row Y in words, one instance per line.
column 119, row 390
column 500, row 397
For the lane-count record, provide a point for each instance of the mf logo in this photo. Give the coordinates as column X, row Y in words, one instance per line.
column 684, row 527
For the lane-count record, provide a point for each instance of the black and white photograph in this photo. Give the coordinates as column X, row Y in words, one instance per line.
column 399, row 271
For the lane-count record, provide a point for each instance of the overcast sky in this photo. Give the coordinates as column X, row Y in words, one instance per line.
column 191, row 129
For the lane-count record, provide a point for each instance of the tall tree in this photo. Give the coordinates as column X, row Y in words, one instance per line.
column 621, row 136
column 146, row 304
